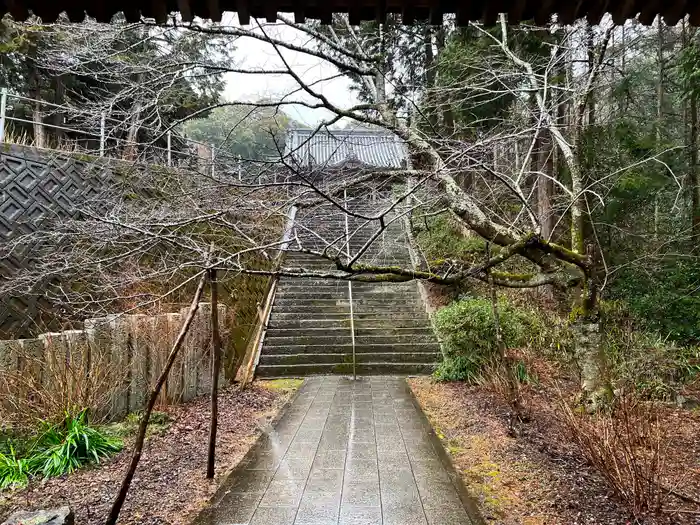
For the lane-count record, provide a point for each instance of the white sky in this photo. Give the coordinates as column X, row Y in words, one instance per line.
column 252, row 53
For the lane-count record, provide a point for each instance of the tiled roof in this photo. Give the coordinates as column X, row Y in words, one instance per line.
column 330, row 148
column 433, row 10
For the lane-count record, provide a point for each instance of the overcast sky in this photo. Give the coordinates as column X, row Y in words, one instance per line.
column 252, row 53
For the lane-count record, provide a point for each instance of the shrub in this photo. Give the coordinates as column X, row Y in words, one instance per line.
column 74, row 444
column 627, row 447
column 441, row 238
column 468, row 335
column 51, row 384
column 663, row 300
column 55, row 450
column 649, row 365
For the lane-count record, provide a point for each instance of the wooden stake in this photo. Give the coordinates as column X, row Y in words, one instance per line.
column 215, row 369
column 143, row 425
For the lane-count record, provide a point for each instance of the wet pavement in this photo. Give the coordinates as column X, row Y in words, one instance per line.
column 345, row 453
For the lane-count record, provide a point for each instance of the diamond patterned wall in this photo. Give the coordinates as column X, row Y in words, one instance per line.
column 37, row 186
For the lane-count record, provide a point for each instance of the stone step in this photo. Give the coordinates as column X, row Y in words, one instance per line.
column 331, row 252
column 386, row 286
column 392, row 348
column 370, row 368
column 311, row 283
column 387, row 316
column 287, row 297
column 358, row 302
column 315, row 259
column 316, row 264
column 300, row 256
column 287, row 315
column 345, row 323
column 345, row 338
column 324, row 286
column 289, row 284
column 334, row 358
column 344, row 306
column 343, row 331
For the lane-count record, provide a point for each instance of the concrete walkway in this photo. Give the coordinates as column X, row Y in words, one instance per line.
column 344, row 453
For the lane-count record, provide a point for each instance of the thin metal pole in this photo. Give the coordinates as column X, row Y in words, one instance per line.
column 239, row 169
column 3, row 107
column 352, row 314
column 102, row 135
column 170, row 151
column 211, row 147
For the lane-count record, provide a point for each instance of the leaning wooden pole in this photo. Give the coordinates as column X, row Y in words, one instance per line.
column 143, row 425
column 215, row 370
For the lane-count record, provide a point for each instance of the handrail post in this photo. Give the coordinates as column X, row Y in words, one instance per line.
column 3, row 108
column 211, row 147
column 352, row 314
column 102, row 135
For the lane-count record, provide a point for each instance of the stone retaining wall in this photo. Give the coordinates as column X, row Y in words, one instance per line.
column 113, row 359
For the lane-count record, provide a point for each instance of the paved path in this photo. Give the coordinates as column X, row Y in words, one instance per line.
column 344, row 453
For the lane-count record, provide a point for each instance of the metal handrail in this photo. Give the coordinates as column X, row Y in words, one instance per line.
column 352, row 313
column 254, row 348
column 103, row 136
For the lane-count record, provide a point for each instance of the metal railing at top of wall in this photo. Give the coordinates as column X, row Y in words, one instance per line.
column 165, row 155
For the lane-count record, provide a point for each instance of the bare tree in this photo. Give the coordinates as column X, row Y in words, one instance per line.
column 514, row 200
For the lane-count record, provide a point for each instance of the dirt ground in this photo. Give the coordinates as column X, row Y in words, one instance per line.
column 539, row 477
column 169, row 486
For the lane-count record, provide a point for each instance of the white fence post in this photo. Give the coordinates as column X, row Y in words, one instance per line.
column 3, row 107
column 170, row 151
column 102, row 135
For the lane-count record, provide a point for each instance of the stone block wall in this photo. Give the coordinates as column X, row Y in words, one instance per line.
column 112, row 362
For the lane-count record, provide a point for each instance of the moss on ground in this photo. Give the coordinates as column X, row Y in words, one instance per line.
column 281, row 385
column 158, row 424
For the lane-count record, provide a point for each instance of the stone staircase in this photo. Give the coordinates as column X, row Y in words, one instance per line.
column 309, row 330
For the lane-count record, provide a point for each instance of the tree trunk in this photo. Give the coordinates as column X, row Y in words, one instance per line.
column 659, row 115
column 430, row 76
column 59, row 99
column 131, row 149
column 143, row 425
column 37, row 116
column 215, row 370
column 590, row 51
column 693, row 168
column 591, row 359
column 545, row 186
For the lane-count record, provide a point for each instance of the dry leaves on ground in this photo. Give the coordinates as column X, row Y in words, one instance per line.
column 539, row 477
column 169, row 486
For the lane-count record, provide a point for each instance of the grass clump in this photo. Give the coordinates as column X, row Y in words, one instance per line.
column 54, row 450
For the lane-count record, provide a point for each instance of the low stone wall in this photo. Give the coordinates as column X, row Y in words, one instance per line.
column 113, row 362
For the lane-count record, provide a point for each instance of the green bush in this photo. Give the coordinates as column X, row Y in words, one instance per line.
column 650, row 365
column 441, row 238
column 55, row 450
column 663, row 300
column 468, row 335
